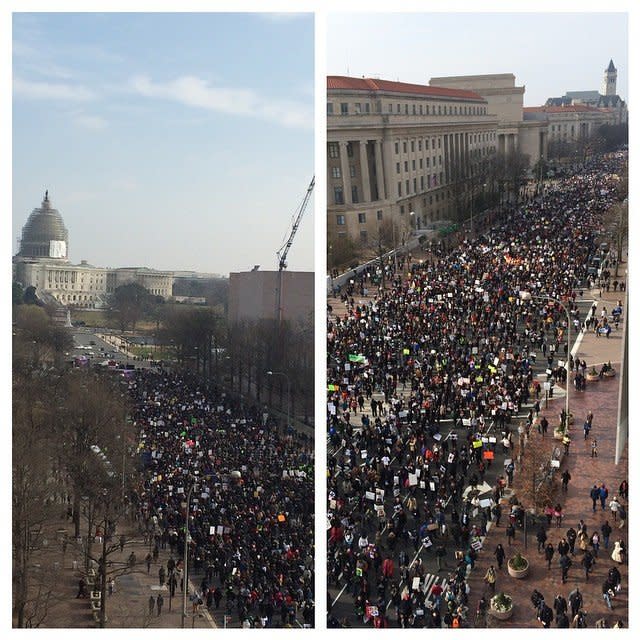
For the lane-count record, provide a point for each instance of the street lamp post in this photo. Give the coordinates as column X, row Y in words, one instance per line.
column 525, row 295
column 280, row 373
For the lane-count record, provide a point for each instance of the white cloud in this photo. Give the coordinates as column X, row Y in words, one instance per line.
column 51, row 91
column 195, row 92
column 95, row 123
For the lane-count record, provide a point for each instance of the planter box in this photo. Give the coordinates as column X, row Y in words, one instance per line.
column 609, row 374
column 518, row 574
column 591, row 378
column 501, row 615
column 558, row 435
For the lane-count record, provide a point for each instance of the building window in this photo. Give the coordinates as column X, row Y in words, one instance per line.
column 357, row 107
column 401, row 209
column 367, row 108
column 334, row 149
column 379, row 214
column 329, row 108
column 397, row 167
column 363, row 236
column 413, row 165
column 399, row 189
column 335, row 172
column 397, row 148
column 406, row 165
column 419, row 145
column 420, row 163
column 420, row 109
column 413, row 109
column 415, row 185
column 406, row 109
column 413, row 146
column 344, row 108
column 406, row 184
column 338, row 195
column 354, row 194
column 397, row 108
column 362, row 218
column 404, row 147
column 421, row 183
column 390, row 108
column 349, row 150
column 352, row 170
column 340, row 220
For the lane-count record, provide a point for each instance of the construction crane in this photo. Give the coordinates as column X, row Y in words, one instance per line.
column 284, row 250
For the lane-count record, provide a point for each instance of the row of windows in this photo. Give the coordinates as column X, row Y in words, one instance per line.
column 415, row 109
column 433, row 180
column 362, row 215
column 427, row 163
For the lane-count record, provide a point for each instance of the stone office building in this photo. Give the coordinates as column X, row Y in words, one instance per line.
column 42, row 262
column 395, row 151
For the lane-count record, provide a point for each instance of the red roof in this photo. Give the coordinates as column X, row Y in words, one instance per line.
column 388, row 86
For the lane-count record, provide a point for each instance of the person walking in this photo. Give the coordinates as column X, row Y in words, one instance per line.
column 490, row 578
column 595, row 543
column 622, row 514
column 605, row 529
column 595, row 496
column 541, row 537
column 159, row 603
column 152, row 605
column 563, row 547
column 623, row 489
column 604, row 494
column 148, row 560
column 587, row 563
column 549, row 551
column 575, row 601
column 510, row 533
column 607, row 594
column 565, row 564
column 566, row 476
column 571, row 539
column 618, row 553
column 500, row 555
column 614, row 505
column 559, row 604
column 594, row 448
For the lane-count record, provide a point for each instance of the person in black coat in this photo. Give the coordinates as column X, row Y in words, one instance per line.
column 548, row 554
column 500, row 555
column 541, row 537
column 560, row 605
column 545, row 615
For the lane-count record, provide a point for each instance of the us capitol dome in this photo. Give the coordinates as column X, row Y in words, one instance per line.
column 44, row 234
column 43, row 263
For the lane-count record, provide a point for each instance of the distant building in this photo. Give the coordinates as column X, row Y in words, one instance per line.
column 42, row 262
column 395, row 149
column 606, row 98
column 253, row 295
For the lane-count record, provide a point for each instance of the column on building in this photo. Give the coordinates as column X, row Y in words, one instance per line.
column 380, row 181
column 346, row 173
column 364, row 169
column 387, row 163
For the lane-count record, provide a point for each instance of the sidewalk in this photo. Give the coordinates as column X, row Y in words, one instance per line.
column 602, row 398
column 128, row 606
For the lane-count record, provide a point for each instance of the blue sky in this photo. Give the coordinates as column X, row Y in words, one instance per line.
column 177, row 141
column 549, row 53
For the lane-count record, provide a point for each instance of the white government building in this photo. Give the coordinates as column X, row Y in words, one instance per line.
column 42, row 262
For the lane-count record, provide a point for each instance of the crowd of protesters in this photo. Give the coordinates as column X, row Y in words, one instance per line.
column 251, row 501
column 450, row 338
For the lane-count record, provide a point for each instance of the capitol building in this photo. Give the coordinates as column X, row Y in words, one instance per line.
column 42, row 262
